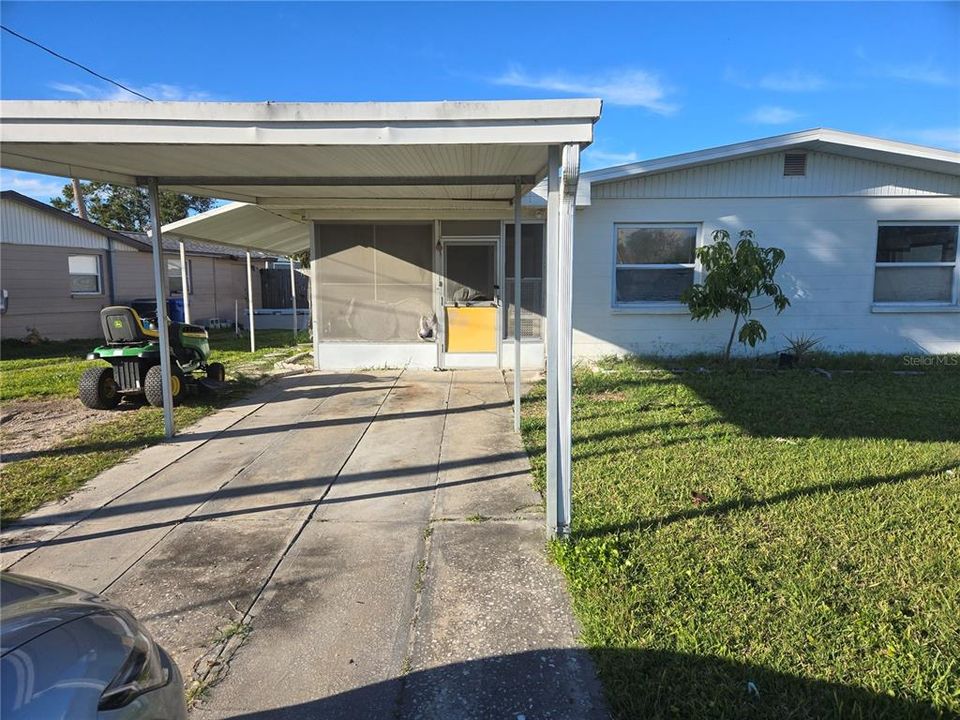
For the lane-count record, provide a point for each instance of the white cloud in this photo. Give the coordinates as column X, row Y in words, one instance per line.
column 41, row 187
column 631, row 87
column 772, row 115
column 80, row 90
column 157, row 91
column 927, row 72
column 792, row 81
column 944, row 137
column 593, row 159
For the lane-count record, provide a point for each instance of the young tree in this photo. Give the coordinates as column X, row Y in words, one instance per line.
column 736, row 276
column 125, row 208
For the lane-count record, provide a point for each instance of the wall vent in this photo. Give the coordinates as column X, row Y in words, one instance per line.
column 794, row 164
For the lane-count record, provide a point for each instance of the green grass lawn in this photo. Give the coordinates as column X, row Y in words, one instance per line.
column 52, row 370
column 820, row 561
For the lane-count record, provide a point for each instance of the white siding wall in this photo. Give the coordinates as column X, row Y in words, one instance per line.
column 827, row 175
column 830, row 245
column 22, row 225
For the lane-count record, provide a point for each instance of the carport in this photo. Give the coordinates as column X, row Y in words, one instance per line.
column 299, row 160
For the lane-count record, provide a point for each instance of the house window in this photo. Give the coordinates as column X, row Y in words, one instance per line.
column 174, row 279
column 653, row 263
column 85, row 274
column 917, row 263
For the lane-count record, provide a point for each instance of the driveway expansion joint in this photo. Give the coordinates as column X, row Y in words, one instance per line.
column 227, row 651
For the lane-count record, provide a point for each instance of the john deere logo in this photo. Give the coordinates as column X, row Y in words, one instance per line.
column 118, row 323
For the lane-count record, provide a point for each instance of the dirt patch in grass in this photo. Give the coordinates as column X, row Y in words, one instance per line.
column 52, row 444
column 31, row 426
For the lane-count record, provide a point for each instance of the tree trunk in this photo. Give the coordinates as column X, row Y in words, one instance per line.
column 733, row 331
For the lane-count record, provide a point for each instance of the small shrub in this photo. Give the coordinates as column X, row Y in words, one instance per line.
column 801, row 346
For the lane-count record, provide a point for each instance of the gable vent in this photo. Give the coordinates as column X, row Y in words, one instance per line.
column 794, row 164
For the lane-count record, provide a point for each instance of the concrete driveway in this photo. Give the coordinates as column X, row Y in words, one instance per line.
column 336, row 545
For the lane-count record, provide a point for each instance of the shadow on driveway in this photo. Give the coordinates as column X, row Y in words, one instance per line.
column 642, row 684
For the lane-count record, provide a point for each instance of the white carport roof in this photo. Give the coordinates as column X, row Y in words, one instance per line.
column 295, row 156
column 243, row 225
column 290, row 155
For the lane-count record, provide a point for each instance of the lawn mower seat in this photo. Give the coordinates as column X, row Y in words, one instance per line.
column 122, row 326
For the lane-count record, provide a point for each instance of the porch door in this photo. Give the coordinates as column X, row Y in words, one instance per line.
column 471, row 302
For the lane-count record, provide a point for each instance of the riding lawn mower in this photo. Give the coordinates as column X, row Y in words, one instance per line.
column 132, row 350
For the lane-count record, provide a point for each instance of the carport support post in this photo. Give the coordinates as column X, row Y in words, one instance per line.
column 293, row 294
column 554, row 518
column 184, row 288
column 561, row 203
column 517, row 280
column 569, row 179
column 253, row 340
column 160, row 286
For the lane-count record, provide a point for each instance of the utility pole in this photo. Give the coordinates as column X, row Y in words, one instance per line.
column 78, row 199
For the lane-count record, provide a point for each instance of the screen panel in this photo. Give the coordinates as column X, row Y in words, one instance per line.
column 375, row 281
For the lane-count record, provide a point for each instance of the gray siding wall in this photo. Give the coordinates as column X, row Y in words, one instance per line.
column 827, row 175
column 37, row 279
column 217, row 283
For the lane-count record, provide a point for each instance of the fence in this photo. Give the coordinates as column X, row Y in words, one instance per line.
column 275, row 289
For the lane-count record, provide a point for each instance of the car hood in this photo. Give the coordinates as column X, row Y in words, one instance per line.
column 30, row 607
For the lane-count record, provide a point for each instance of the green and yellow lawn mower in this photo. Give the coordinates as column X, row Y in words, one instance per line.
column 133, row 350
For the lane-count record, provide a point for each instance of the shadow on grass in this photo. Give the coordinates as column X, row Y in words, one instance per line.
column 560, row 684
column 61, row 349
column 802, row 403
column 753, row 503
column 241, row 432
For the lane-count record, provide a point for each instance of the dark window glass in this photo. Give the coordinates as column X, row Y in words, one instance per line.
column 532, row 286
column 531, row 251
column 642, row 285
column 662, row 245
column 917, row 243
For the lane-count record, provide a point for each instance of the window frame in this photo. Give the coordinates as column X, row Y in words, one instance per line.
column 170, row 275
column 653, row 305
column 920, row 305
column 99, row 275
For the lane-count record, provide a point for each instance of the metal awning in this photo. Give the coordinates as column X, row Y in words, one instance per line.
column 288, row 154
column 287, row 158
column 243, row 225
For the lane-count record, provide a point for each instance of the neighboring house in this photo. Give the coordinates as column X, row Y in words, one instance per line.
column 869, row 228
column 57, row 271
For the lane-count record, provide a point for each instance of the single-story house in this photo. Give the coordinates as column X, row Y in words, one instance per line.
column 57, row 271
column 869, row 228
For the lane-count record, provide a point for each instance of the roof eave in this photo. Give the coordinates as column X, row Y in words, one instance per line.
column 910, row 155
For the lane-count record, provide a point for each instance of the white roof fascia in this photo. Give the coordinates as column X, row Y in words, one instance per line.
column 307, row 113
column 254, row 124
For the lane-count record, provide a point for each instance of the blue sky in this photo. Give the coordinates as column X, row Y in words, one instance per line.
column 674, row 77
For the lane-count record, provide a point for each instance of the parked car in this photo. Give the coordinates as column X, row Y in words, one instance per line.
column 67, row 653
